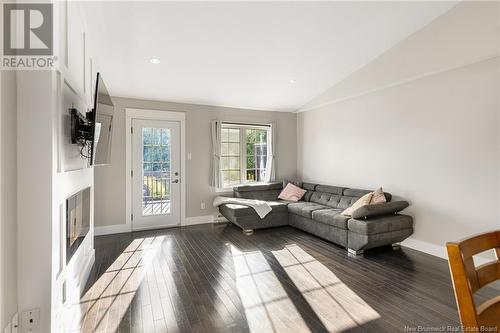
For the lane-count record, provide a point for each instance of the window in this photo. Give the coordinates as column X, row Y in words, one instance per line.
column 243, row 153
column 156, row 169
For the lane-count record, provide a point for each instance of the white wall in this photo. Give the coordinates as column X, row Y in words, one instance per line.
column 34, row 181
column 72, row 87
column 466, row 34
column 422, row 120
column 49, row 170
column 8, row 201
column 110, row 180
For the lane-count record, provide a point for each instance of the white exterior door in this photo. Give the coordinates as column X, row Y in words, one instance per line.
column 155, row 174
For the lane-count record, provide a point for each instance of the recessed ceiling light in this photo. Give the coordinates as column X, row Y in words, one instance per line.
column 292, row 81
column 154, row 61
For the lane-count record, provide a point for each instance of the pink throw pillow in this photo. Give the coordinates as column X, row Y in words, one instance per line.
column 292, row 193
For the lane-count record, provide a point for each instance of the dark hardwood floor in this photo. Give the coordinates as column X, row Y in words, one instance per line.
column 213, row 278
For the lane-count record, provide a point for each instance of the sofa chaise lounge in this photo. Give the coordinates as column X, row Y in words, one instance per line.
column 319, row 213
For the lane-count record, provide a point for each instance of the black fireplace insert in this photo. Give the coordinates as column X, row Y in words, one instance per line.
column 77, row 221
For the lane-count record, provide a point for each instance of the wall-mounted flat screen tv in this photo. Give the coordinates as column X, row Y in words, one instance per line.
column 103, row 124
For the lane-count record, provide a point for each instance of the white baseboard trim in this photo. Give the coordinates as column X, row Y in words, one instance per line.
column 220, row 219
column 121, row 228
column 440, row 251
column 194, row 220
column 437, row 250
column 111, row 229
column 429, row 248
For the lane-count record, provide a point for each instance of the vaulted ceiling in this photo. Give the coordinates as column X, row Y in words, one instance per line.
column 257, row 55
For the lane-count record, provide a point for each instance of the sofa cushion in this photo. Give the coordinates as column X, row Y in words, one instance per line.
column 294, row 182
column 385, row 208
column 325, row 198
column 240, row 210
column 305, row 209
column 309, row 186
column 259, row 187
column 363, row 201
column 330, row 189
column 265, row 192
column 307, row 196
column 331, row 217
column 378, row 196
column 336, row 196
column 355, row 192
column 259, row 194
column 380, row 224
column 292, row 193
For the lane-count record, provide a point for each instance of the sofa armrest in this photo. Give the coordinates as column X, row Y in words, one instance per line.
column 380, row 224
column 385, row 208
column 267, row 192
column 259, row 187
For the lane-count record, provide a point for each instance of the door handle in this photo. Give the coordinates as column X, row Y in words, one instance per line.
column 175, row 181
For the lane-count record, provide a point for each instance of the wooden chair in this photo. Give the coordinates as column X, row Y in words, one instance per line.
column 467, row 279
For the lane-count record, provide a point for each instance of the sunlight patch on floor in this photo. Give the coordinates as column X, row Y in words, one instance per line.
column 337, row 306
column 267, row 305
column 105, row 303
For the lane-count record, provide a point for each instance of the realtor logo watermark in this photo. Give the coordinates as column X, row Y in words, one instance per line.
column 28, row 38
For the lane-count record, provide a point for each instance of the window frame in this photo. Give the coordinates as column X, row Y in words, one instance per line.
column 242, row 127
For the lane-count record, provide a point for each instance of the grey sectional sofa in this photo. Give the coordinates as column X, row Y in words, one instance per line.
column 319, row 213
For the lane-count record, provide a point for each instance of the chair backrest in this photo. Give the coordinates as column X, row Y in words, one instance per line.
column 467, row 278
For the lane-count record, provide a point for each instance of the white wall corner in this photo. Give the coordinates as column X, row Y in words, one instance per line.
column 426, row 247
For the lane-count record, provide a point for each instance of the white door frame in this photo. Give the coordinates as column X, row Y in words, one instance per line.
column 130, row 114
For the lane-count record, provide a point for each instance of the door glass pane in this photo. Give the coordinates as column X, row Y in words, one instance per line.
column 156, row 171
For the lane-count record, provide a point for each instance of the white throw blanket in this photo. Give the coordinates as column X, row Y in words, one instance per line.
column 262, row 208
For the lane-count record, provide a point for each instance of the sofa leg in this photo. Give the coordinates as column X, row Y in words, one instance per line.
column 248, row 232
column 396, row 245
column 354, row 252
